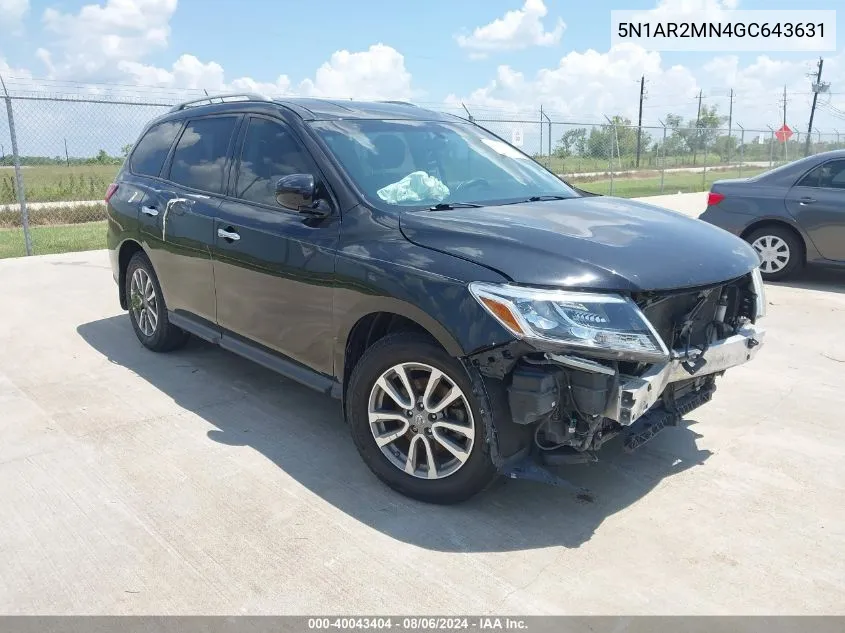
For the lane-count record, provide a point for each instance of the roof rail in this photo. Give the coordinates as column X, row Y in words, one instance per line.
column 396, row 102
column 224, row 98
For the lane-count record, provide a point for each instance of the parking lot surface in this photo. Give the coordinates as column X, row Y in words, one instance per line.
column 196, row 482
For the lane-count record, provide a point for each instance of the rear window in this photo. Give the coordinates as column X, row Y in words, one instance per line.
column 201, row 153
column 151, row 151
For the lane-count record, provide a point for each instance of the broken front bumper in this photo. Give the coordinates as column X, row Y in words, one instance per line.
column 636, row 395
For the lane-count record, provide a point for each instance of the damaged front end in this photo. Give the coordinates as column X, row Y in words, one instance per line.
column 567, row 398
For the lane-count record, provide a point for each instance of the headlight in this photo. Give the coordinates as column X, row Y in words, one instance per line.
column 606, row 323
column 760, row 292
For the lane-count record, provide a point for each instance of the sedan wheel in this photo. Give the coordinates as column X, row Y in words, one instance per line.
column 774, row 253
column 780, row 250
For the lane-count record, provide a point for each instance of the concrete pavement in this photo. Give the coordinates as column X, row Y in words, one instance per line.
column 690, row 204
column 196, row 482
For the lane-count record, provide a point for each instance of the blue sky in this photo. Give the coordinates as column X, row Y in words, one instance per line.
column 557, row 54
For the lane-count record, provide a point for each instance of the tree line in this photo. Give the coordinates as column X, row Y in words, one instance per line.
column 693, row 138
column 102, row 157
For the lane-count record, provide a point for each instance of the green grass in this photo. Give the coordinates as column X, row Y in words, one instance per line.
column 54, row 239
column 580, row 164
column 54, row 182
column 627, row 187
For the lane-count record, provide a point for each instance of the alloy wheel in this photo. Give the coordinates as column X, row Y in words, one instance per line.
column 421, row 420
column 143, row 302
column 774, row 253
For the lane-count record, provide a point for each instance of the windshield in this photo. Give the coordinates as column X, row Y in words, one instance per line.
column 425, row 163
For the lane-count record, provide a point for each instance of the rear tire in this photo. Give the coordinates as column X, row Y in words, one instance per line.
column 147, row 309
column 437, row 456
column 781, row 252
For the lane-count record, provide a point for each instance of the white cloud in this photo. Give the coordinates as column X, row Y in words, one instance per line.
column 377, row 73
column 517, row 29
column 109, row 42
column 584, row 86
column 701, row 9
column 12, row 13
column 92, row 42
column 189, row 73
column 8, row 71
column 759, row 86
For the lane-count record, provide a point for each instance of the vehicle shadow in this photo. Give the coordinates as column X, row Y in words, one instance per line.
column 816, row 278
column 303, row 433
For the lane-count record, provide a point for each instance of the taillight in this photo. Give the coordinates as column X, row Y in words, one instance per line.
column 110, row 191
column 714, row 198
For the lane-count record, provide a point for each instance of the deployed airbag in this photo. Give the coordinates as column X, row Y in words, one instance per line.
column 415, row 187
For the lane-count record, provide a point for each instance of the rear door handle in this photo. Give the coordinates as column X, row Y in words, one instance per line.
column 806, row 200
column 228, row 235
column 149, row 211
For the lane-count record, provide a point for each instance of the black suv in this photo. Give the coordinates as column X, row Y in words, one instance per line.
column 475, row 314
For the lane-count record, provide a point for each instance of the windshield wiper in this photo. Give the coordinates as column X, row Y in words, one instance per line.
column 446, row 206
column 539, row 199
column 542, row 198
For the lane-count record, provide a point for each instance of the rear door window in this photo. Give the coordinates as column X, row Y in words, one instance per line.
column 199, row 160
column 829, row 175
column 151, row 151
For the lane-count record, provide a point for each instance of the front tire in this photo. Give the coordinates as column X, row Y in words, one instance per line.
column 415, row 422
column 147, row 309
column 781, row 252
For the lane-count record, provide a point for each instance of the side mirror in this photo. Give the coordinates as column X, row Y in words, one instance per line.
column 299, row 192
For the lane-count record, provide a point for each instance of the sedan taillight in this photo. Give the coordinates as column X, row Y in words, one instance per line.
column 714, row 198
column 110, row 191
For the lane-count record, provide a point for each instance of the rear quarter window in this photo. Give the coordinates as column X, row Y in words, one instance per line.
column 151, row 151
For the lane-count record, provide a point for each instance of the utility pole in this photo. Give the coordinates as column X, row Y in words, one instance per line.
column 784, row 122
column 818, row 87
column 784, row 106
column 730, row 123
column 67, row 158
column 640, row 120
column 697, row 123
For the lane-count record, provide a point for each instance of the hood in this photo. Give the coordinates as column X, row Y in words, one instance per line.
column 588, row 243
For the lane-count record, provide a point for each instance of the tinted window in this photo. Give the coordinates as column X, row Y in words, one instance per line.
column 151, row 151
column 828, row 175
column 200, row 155
column 269, row 152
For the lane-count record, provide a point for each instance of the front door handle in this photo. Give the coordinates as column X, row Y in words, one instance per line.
column 806, row 200
column 228, row 235
column 152, row 211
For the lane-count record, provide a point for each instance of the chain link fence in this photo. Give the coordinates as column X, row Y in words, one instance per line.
column 60, row 154
column 628, row 161
column 58, row 157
